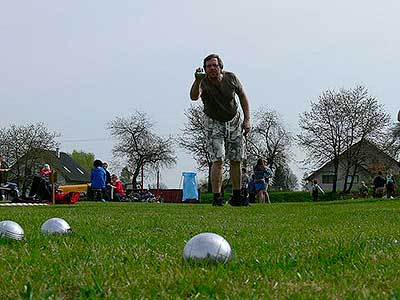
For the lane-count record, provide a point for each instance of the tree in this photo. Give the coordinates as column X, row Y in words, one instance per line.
column 336, row 122
column 139, row 146
column 126, row 175
column 194, row 140
column 268, row 138
column 84, row 159
column 392, row 144
column 23, row 147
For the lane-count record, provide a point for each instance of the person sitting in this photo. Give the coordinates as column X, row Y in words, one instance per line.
column 118, row 189
column 45, row 171
column 98, row 181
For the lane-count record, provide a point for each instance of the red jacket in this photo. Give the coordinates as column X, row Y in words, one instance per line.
column 118, row 188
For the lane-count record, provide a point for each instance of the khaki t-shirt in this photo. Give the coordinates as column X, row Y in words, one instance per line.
column 219, row 100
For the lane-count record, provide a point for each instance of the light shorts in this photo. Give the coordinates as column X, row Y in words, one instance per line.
column 224, row 139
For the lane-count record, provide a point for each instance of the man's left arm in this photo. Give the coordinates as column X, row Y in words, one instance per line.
column 244, row 103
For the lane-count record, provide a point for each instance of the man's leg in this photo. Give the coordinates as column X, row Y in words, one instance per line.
column 237, row 198
column 216, row 182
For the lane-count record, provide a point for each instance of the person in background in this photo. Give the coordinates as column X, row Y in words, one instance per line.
column 363, row 190
column 45, row 171
column 108, row 180
column 252, row 190
column 379, row 186
column 261, row 176
column 315, row 189
column 118, row 189
column 390, row 186
column 244, row 189
column 268, row 177
column 98, row 180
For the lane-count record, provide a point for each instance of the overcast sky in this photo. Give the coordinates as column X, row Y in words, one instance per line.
column 76, row 65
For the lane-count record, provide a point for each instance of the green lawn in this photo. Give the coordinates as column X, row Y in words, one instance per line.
column 326, row 250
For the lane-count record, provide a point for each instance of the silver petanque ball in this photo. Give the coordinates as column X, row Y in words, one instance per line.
column 207, row 246
column 12, row 230
column 55, row 226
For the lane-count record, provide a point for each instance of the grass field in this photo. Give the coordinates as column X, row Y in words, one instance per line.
column 326, row 250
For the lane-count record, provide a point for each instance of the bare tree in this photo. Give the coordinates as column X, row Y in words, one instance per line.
column 139, row 146
column 23, row 146
column 269, row 138
column 336, row 122
column 365, row 120
column 194, row 140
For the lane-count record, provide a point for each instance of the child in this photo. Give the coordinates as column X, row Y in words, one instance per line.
column 45, row 171
column 98, row 180
column 315, row 189
column 118, row 190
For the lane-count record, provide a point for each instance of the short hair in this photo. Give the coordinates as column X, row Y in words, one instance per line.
column 97, row 163
column 211, row 56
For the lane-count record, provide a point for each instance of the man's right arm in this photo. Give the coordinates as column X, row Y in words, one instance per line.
column 195, row 90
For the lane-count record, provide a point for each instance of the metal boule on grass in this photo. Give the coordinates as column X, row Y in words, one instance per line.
column 12, row 230
column 55, row 226
column 208, row 247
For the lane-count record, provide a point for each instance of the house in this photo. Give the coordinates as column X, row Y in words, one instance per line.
column 373, row 160
column 68, row 170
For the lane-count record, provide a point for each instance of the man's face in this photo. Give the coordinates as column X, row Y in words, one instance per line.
column 105, row 166
column 212, row 68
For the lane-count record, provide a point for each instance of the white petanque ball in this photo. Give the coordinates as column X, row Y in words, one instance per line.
column 207, row 247
column 12, row 230
column 55, row 226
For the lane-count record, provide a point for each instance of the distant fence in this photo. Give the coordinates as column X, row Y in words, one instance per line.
column 169, row 195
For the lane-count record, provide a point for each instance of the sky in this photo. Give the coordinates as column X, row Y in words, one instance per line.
column 77, row 65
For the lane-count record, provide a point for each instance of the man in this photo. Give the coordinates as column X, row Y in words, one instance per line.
column 225, row 128
column 379, row 186
column 108, row 181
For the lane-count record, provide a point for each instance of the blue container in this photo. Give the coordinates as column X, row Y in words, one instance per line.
column 190, row 191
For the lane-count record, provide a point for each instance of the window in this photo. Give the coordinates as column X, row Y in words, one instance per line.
column 328, row 178
column 355, row 179
column 68, row 170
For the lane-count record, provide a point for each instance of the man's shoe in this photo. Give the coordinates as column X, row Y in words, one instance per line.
column 218, row 202
column 245, row 201
column 235, row 202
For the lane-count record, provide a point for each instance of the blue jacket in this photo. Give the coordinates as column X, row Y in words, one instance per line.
column 98, row 178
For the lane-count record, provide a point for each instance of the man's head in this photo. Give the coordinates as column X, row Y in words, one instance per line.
column 213, row 66
column 97, row 163
column 105, row 165
column 244, row 170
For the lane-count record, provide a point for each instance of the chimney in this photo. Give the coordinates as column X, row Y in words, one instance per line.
column 58, row 152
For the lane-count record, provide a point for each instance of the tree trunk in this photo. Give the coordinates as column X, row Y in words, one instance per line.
column 336, row 169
